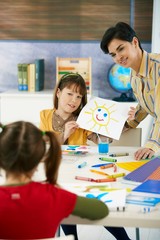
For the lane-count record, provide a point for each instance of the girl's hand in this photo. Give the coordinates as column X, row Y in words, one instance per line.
column 105, row 139
column 69, row 128
column 131, row 113
column 143, row 153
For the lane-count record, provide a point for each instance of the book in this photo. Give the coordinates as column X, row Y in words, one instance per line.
column 25, row 77
column 150, row 187
column 147, row 193
column 20, row 77
column 142, row 199
column 39, row 80
column 31, row 77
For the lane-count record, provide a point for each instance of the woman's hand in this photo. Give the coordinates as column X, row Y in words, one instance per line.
column 69, row 128
column 143, row 153
column 105, row 139
column 131, row 116
column 131, row 113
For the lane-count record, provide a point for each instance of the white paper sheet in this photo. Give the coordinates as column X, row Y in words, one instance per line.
column 115, row 199
column 104, row 117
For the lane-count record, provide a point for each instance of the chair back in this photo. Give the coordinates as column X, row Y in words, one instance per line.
column 132, row 137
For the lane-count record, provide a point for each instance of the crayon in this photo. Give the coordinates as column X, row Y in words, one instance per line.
column 106, row 180
column 115, row 168
column 98, row 172
column 85, row 179
column 119, row 154
column 82, row 165
column 95, row 180
column 100, row 165
column 108, row 159
column 70, row 147
column 116, row 175
column 107, row 166
column 72, row 152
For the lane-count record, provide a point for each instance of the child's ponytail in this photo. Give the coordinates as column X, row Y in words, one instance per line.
column 52, row 158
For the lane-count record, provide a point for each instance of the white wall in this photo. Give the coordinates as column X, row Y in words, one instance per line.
column 156, row 27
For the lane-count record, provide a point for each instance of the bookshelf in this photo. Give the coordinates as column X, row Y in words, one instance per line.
column 81, row 66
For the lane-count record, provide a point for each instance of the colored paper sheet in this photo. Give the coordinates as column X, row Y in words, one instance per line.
column 155, row 175
column 143, row 172
column 131, row 166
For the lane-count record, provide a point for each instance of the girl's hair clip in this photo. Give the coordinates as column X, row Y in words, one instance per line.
column 43, row 133
column 70, row 74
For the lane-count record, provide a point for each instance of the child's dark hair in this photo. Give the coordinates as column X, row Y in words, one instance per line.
column 23, row 147
column 76, row 81
column 121, row 31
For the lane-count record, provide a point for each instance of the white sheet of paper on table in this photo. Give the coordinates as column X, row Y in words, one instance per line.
column 115, row 199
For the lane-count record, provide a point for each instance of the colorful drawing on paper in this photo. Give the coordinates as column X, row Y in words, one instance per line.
column 104, row 117
column 112, row 197
column 101, row 116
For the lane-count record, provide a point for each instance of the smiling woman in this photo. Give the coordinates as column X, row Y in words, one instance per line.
column 122, row 43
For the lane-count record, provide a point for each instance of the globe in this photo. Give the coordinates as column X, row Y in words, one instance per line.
column 119, row 80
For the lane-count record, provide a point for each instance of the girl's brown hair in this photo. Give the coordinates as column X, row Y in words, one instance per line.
column 76, row 81
column 23, row 147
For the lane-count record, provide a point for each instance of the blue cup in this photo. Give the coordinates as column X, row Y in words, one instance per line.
column 103, row 147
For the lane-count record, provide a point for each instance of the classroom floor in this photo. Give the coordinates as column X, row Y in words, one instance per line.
column 99, row 233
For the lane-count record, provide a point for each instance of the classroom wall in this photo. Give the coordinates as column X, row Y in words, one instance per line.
column 14, row 52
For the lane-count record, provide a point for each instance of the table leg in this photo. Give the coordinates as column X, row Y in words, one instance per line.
column 137, row 234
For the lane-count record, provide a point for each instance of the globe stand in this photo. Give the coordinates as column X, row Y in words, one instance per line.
column 124, row 98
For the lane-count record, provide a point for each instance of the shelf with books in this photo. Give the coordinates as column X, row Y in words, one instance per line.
column 31, row 76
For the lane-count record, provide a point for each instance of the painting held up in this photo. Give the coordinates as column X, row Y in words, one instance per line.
column 104, row 117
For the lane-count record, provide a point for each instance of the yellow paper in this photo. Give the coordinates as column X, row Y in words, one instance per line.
column 131, row 166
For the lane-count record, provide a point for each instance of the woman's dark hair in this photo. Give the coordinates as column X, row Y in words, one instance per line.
column 23, row 147
column 121, row 31
column 76, row 81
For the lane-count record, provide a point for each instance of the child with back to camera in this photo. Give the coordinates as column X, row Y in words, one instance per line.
column 69, row 99
column 34, row 210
